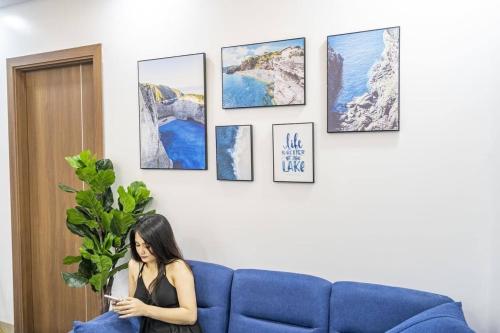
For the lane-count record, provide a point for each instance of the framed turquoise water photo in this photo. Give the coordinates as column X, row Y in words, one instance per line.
column 363, row 81
column 234, row 152
column 293, row 153
column 264, row 74
column 172, row 112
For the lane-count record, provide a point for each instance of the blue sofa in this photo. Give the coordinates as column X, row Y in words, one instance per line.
column 259, row 301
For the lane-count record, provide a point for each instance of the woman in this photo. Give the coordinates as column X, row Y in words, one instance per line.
column 160, row 281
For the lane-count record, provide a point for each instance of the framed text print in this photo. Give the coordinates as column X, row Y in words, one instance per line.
column 293, row 152
column 172, row 113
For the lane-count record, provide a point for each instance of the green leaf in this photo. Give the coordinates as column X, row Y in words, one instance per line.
column 87, row 158
column 106, row 220
column 119, row 268
column 86, row 174
column 121, row 222
column 119, row 255
column 104, row 164
column 67, row 188
column 74, row 280
column 107, row 199
column 88, row 243
column 97, row 281
column 103, row 263
column 88, row 199
column 127, row 201
column 108, row 241
column 139, row 208
column 117, row 242
column 74, row 216
column 71, row 260
column 103, row 180
column 74, row 161
column 76, row 229
column 87, row 268
column 85, row 254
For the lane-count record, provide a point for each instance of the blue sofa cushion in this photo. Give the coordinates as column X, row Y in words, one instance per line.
column 109, row 323
column 213, row 287
column 278, row 302
column 369, row 308
column 443, row 318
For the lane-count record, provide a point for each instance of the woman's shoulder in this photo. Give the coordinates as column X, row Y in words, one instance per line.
column 178, row 266
column 133, row 267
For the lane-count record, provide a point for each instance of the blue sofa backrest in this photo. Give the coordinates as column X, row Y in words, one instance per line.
column 278, row 302
column 213, row 288
column 362, row 307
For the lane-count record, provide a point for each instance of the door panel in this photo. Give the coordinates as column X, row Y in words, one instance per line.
column 54, row 99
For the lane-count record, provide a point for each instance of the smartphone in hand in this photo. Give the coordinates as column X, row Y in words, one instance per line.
column 112, row 298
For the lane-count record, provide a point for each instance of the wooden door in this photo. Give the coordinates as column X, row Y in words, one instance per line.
column 57, row 106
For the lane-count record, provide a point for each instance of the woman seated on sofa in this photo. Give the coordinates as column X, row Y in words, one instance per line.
column 161, row 284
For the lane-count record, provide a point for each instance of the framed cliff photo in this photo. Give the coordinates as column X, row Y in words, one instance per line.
column 234, row 152
column 264, row 74
column 172, row 113
column 293, row 152
column 363, row 81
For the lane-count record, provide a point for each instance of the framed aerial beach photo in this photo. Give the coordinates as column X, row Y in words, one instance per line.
column 234, row 152
column 363, row 81
column 293, row 153
column 172, row 113
column 264, row 74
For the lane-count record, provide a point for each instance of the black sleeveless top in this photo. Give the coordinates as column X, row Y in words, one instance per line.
column 165, row 296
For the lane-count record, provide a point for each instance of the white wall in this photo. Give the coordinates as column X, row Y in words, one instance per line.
column 416, row 208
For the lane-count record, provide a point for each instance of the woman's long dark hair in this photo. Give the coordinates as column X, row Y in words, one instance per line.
column 158, row 235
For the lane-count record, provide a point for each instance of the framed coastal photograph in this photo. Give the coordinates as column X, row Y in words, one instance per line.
column 264, row 74
column 234, row 152
column 363, row 81
column 293, row 152
column 172, row 113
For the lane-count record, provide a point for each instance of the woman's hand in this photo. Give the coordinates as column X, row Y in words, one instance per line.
column 130, row 307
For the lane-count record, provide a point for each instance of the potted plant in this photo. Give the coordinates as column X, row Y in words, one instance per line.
column 102, row 227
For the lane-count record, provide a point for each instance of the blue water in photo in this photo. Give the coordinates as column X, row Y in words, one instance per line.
column 244, row 91
column 360, row 52
column 226, row 139
column 184, row 142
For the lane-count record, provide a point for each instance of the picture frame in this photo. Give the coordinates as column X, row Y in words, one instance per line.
column 363, row 81
column 234, row 152
column 293, row 152
column 173, row 112
column 264, row 74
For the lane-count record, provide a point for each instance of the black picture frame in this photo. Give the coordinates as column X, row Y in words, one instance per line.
column 205, row 136
column 262, row 106
column 251, row 154
column 311, row 179
column 328, row 83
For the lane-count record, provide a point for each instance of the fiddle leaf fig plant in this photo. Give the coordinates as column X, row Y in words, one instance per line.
column 102, row 227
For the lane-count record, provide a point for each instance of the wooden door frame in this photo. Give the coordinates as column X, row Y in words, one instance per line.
column 18, row 156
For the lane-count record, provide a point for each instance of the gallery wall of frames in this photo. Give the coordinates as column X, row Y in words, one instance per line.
column 362, row 97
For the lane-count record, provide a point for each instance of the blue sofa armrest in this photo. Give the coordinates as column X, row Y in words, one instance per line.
column 443, row 318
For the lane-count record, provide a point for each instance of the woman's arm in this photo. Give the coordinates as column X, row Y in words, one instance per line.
column 133, row 272
column 185, row 314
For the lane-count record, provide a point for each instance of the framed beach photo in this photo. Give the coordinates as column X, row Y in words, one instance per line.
column 172, row 113
column 363, row 81
column 234, row 152
column 293, row 153
column 264, row 74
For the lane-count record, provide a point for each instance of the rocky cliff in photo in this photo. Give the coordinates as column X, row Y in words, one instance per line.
column 159, row 104
column 378, row 108
column 282, row 70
